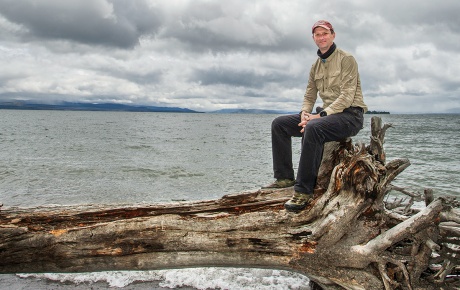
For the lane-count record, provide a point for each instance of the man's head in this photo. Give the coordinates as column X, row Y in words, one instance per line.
column 323, row 35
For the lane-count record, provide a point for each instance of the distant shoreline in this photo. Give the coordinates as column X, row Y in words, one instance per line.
column 111, row 107
column 68, row 106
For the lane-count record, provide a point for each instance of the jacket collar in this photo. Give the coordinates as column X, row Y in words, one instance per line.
column 328, row 53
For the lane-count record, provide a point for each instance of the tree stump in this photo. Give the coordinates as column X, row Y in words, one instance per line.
column 350, row 237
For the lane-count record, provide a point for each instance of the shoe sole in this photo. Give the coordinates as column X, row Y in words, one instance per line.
column 276, row 187
column 294, row 208
column 298, row 207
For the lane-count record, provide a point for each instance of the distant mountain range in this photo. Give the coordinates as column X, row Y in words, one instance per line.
column 71, row 106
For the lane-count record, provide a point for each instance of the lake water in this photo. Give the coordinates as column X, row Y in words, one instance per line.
column 68, row 157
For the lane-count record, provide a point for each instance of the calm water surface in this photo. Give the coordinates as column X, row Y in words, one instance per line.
column 53, row 157
column 58, row 157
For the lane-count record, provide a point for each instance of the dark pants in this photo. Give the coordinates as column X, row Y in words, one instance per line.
column 334, row 127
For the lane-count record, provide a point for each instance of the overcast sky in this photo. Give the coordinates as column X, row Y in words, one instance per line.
column 210, row 55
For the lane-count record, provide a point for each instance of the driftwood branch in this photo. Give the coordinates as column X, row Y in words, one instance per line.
column 349, row 237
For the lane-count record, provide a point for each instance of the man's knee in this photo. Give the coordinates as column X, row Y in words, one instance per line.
column 313, row 127
column 285, row 121
column 277, row 123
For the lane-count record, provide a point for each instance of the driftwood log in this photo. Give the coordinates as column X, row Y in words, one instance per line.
column 353, row 236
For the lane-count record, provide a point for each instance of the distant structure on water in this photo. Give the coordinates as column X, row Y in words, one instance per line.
column 377, row 112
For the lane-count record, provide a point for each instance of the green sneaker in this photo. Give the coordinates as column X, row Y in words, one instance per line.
column 298, row 202
column 281, row 183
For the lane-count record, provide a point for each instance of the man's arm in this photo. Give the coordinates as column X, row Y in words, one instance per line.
column 311, row 93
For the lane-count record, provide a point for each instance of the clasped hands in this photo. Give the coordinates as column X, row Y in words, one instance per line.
column 305, row 118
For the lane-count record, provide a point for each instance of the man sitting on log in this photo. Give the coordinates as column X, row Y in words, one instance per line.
column 334, row 76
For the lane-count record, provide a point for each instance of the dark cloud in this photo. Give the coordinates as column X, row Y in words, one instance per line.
column 110, row 23
column 205, row 26
column 409, row 14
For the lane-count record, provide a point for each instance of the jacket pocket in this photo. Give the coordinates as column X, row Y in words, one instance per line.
column 319, row 81
column 334, row 81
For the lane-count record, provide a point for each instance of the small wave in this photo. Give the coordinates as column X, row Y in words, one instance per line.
column 139, row 147
column 221, row 278
column 197, row 278
column 174, row 172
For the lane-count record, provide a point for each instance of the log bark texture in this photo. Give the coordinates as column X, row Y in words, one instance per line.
column 350, row 237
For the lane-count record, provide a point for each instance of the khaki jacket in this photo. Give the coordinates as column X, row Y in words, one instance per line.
column 337, row 82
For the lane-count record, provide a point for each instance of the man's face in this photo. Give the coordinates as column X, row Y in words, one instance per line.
column 323, row 38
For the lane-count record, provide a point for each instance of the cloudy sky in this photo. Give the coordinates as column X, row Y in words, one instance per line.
column 211, row 54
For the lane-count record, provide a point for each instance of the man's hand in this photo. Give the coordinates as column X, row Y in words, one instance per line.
column 305, row 118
